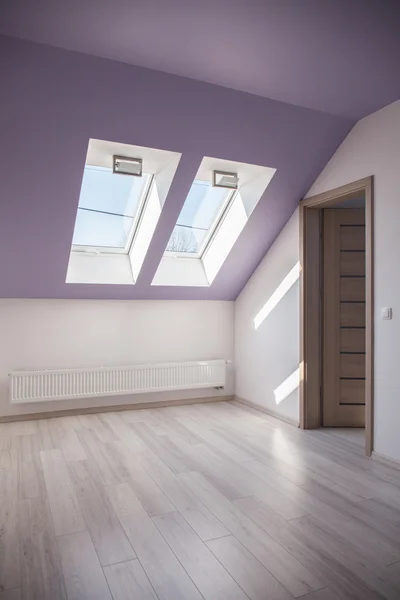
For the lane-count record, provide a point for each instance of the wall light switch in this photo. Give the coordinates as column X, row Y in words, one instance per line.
column 386, row 313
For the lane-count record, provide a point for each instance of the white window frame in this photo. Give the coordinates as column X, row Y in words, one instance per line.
column 134, row 229
column 211, row 233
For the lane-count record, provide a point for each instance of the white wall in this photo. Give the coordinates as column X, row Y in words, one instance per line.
column 266, row 356
column 373, row 148
column 39, row 334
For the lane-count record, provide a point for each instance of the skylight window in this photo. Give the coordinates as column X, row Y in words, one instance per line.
column 203, row 210
column 220, row 201
column 122, row 195
column 110, row 206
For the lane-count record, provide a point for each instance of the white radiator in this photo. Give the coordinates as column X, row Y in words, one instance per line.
column 41, row 386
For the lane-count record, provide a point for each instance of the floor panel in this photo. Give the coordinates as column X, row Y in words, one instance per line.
column 213, row 501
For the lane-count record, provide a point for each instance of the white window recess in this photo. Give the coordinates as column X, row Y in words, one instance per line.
column 63, row 384
column 214, row 219
column 118, row 213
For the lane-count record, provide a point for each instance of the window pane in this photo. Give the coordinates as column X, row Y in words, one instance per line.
column 197, row 217
column 108, row 205
column 109, row 192
column 183, row 239
column 101, row 230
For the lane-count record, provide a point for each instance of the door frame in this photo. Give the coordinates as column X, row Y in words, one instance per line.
column 311, row 309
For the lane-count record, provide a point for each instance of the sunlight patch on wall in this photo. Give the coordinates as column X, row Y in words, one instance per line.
column 287, row 387
column 278, row 294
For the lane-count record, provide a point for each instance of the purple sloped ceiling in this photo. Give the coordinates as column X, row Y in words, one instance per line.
column 54, row 100
column 338, row 56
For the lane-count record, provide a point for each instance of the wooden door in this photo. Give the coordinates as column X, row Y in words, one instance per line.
column 343, row 331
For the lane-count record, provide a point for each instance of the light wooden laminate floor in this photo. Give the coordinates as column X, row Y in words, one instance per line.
column 213, row 501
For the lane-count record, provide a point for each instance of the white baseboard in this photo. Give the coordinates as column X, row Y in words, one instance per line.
column 386, row 460
column 117, row 408
column 267, row 411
